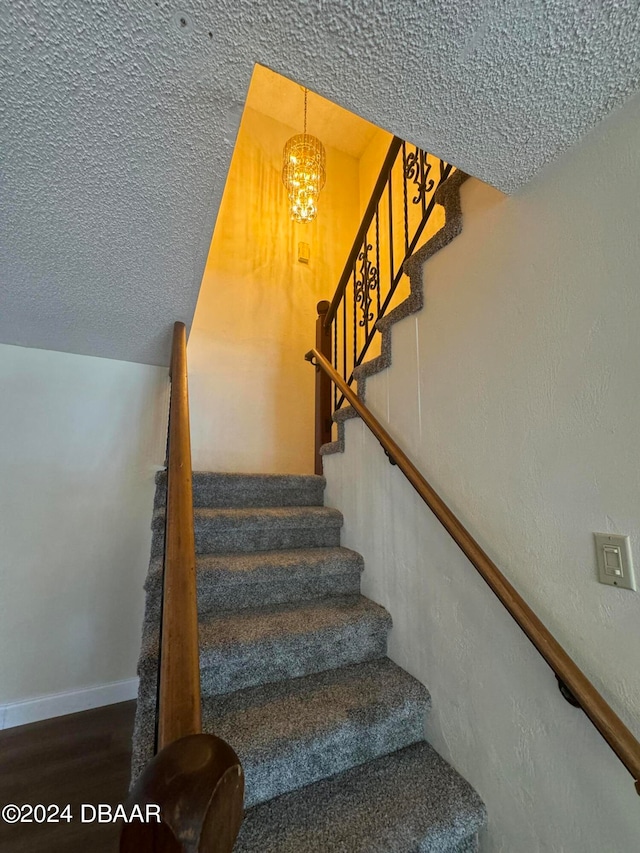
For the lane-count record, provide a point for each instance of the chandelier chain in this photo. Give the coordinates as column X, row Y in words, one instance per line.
column 305, row 110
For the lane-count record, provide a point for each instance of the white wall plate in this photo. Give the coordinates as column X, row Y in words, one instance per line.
column 615, row 565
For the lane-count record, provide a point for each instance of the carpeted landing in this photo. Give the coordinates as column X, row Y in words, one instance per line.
column 295, row 677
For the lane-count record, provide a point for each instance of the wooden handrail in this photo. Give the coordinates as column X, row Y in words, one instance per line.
column 603, row 717
column 195, row 778
column 179, row 712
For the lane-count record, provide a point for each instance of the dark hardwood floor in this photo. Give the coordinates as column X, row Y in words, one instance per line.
column 81, row 758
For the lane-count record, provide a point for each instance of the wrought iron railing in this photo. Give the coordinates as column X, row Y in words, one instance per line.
column 398, row 216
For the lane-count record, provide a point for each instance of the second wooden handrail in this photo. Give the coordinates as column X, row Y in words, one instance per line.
column 195, row 778
column 613, row 730
column 179, row 712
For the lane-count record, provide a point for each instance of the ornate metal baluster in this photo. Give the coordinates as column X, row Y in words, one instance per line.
column 427, row 214
column 344, row 339
column 417, row 169
column 364, row 285
column 378, row 260
column 391, row 270
column 360, row 285
column 355, row 319
column 334, row 328
column 406, row 207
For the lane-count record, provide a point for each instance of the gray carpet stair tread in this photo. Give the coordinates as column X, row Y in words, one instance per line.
column 240, row 649
column 221, row 530
column 232, row 628
column 254, row 578
column 293, row 733
column 212, row 489
column 249, row 647
column 411, row 801
column 259, row 517
column 267, row 565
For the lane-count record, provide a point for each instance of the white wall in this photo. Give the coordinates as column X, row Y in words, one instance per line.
column 516, row 391
column 82, row 438
column 251, row 392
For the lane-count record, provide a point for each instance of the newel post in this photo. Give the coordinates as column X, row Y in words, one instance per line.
column 323, row 385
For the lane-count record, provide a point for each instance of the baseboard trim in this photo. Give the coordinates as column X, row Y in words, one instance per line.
column 69, row 702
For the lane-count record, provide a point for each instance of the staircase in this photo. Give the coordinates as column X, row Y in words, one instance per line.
column 295, row 678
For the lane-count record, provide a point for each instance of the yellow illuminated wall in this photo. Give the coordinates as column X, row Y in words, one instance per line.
column 252, row 393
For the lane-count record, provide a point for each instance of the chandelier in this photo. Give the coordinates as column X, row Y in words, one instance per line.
column 303, row 172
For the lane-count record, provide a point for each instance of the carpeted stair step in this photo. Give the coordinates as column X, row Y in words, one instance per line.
column 255, row 647
column 251, row 647
column 248, row 490
column 254, row 579
column 257, row 529
column 293, row 733
column 409, row 802
column 294, row 676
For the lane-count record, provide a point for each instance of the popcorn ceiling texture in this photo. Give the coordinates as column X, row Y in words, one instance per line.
column 118, row 126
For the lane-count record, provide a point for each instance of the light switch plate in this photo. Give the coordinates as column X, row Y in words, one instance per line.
column 615, row 565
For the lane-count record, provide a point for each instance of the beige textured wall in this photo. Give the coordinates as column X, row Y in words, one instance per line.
column 252, row 393
column 82, row 438
column 515, row 390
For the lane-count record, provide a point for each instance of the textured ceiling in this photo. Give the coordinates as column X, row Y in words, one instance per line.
column 118, row 122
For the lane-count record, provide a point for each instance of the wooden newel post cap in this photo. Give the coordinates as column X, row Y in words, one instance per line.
column 323, row 306
column 199, row 784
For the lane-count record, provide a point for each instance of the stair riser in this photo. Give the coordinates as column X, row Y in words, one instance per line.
column 214, row 491
column 285, row 591
column 215, row 595
column 409, row 801
column 291, row 657
column 470, row 845
column 332, row 753
column 211, row 539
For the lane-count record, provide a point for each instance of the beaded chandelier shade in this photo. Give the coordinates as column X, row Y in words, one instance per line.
column 303, row 172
